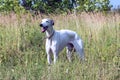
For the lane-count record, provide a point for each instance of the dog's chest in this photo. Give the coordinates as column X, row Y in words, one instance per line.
column 49, row 42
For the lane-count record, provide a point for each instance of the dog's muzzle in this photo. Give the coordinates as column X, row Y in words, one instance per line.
column 44, row 28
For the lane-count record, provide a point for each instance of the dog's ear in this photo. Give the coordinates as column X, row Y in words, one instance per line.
column 52, row 22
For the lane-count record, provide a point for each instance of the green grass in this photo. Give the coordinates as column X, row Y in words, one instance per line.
column 23, row 57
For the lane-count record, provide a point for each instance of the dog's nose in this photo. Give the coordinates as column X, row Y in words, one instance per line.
column 41, row 25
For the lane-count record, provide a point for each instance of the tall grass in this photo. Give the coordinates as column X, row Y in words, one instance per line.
column 23, row 57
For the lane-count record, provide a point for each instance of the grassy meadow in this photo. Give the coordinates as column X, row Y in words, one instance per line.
column 22, row 51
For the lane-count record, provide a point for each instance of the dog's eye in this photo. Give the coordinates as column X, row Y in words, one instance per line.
column 47, row 21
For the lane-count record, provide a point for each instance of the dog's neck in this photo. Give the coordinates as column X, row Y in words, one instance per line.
column 50, row 32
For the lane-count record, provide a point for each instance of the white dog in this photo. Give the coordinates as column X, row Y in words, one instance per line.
column 57, row 40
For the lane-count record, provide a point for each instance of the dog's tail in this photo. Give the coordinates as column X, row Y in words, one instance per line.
column 79, row 47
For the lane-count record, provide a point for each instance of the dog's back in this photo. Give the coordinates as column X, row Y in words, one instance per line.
column 67, row 33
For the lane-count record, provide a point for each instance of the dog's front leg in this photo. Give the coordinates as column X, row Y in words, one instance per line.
column 48, row 51
column 55, row 57
column 55, row 54
column 49, row 58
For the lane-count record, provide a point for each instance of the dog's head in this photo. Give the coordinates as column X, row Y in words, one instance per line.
column 46, row 23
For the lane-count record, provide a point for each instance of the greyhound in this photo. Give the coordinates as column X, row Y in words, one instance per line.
column 57, row 40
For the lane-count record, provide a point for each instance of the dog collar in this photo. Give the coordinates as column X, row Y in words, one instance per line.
column 51, row 35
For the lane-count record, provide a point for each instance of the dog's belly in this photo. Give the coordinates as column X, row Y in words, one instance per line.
column 64, row 40
column 63, row 37
column 61, row 47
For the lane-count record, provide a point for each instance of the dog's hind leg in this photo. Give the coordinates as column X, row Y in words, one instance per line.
column 69, row 50
column 69, row 53
column 78, row 45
